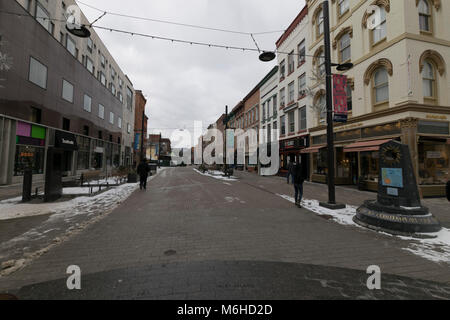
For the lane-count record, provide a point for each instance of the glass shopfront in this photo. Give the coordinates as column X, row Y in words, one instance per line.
column 370, row 166
column 30, row 148
column 320, row 163
column 83, row 153
column 434, row 161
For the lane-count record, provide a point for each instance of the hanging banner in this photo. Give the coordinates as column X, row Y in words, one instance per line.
column 137, row 139
column 340, row 98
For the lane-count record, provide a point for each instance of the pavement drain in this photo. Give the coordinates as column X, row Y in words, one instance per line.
column 170, row 253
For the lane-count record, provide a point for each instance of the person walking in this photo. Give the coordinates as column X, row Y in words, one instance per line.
column 290, row 170
column 143, row 170
column 299, row 179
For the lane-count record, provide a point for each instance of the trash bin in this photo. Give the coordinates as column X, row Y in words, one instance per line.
column 27, row 184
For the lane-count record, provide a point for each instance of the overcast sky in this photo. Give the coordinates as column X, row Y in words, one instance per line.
column 185, row 83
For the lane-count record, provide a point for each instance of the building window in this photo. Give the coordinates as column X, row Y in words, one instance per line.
column 129, row 99
column 291, row 119
column 321, row 64
column 283, row 97
column 101, row 111
column 282, row 69
column 283, row 125
column 274, row 104
column 89, row 65
column 291, row 92
column 343, row 6
column 319, row 26
column 128, row 128
column 381, row 86
column 379, row 32
column 71, row 46
column 42, row 17
column 119, row 122
column 349, row 98
column 344, row 48
column 301, row 52
column 120, row 97
column 111, row 118
column 429, row 80
column 102, row 78
column 36, row 115
column 86, row 130
column 322, row 108
column 120, row 83
column 87, row 103
column 67, row 91
column 38, row 73
column 66, row 124
column 291, row 66
column 302, row 86
column 102, row 60
column 113, row 89
column 424, row 16
column 89, row 44
column 302, row 118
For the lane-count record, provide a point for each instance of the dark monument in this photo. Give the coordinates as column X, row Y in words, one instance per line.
column 53, row 175
column 398, row 208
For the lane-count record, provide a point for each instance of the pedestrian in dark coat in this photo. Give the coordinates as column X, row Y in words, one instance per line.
column 290, row 171
column 143, row 170
column 299, row 179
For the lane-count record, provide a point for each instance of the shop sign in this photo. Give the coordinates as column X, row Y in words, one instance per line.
column 65, row 140
column 392, row 177
column 99, row 150
column 136, row 141
column 340, row 98
column 434, row 155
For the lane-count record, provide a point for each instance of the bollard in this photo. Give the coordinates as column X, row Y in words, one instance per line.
column 27, row 185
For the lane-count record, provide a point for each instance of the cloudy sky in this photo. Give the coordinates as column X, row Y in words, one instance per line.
column 185, row 83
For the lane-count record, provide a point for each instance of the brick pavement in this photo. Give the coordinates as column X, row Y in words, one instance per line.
column 203, row 219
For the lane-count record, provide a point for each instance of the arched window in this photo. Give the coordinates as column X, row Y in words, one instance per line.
column 344, row 48
column 381, row 86
column 424, row 16
column 429, row 80
column 344, row 6
column 379, row 32
column 319, row 27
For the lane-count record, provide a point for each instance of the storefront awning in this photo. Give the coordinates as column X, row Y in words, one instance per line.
column 314, row 149
column 365, row 146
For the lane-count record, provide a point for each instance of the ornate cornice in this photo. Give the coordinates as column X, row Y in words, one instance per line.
column 436, row 3
column 436, row 58
column 380, row 63
column 343, row 31
column 380, row 3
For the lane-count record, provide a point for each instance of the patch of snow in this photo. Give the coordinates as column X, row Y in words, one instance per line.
column 436, row 249
column 216, row 175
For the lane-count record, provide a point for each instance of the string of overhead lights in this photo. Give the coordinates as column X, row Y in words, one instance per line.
column 176, row 23
column 173, row 40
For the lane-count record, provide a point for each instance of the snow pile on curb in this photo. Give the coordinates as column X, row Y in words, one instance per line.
column 216, row 175
column 436, row 249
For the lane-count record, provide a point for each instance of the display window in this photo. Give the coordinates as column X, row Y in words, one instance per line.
column 370, row 166
column 320, row 165
column 434, row 164
column 28, row 157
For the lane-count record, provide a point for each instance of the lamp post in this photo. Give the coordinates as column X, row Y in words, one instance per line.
column 331, row 204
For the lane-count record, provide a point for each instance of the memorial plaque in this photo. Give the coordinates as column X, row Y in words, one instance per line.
column 398, row 208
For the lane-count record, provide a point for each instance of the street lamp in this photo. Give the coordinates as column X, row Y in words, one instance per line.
column 331, row 204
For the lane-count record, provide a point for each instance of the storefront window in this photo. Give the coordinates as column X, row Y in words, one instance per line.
column 370, row 165
column 28, row 157
column 320, row 162
column 83, row 153
column 434, row 167
column 343, row 163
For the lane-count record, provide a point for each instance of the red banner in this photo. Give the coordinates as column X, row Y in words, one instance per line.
column 340, row 98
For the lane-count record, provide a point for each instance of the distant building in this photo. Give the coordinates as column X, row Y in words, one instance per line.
column 140, row 103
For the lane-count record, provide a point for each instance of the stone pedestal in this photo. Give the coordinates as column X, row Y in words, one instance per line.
column 398, row 208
